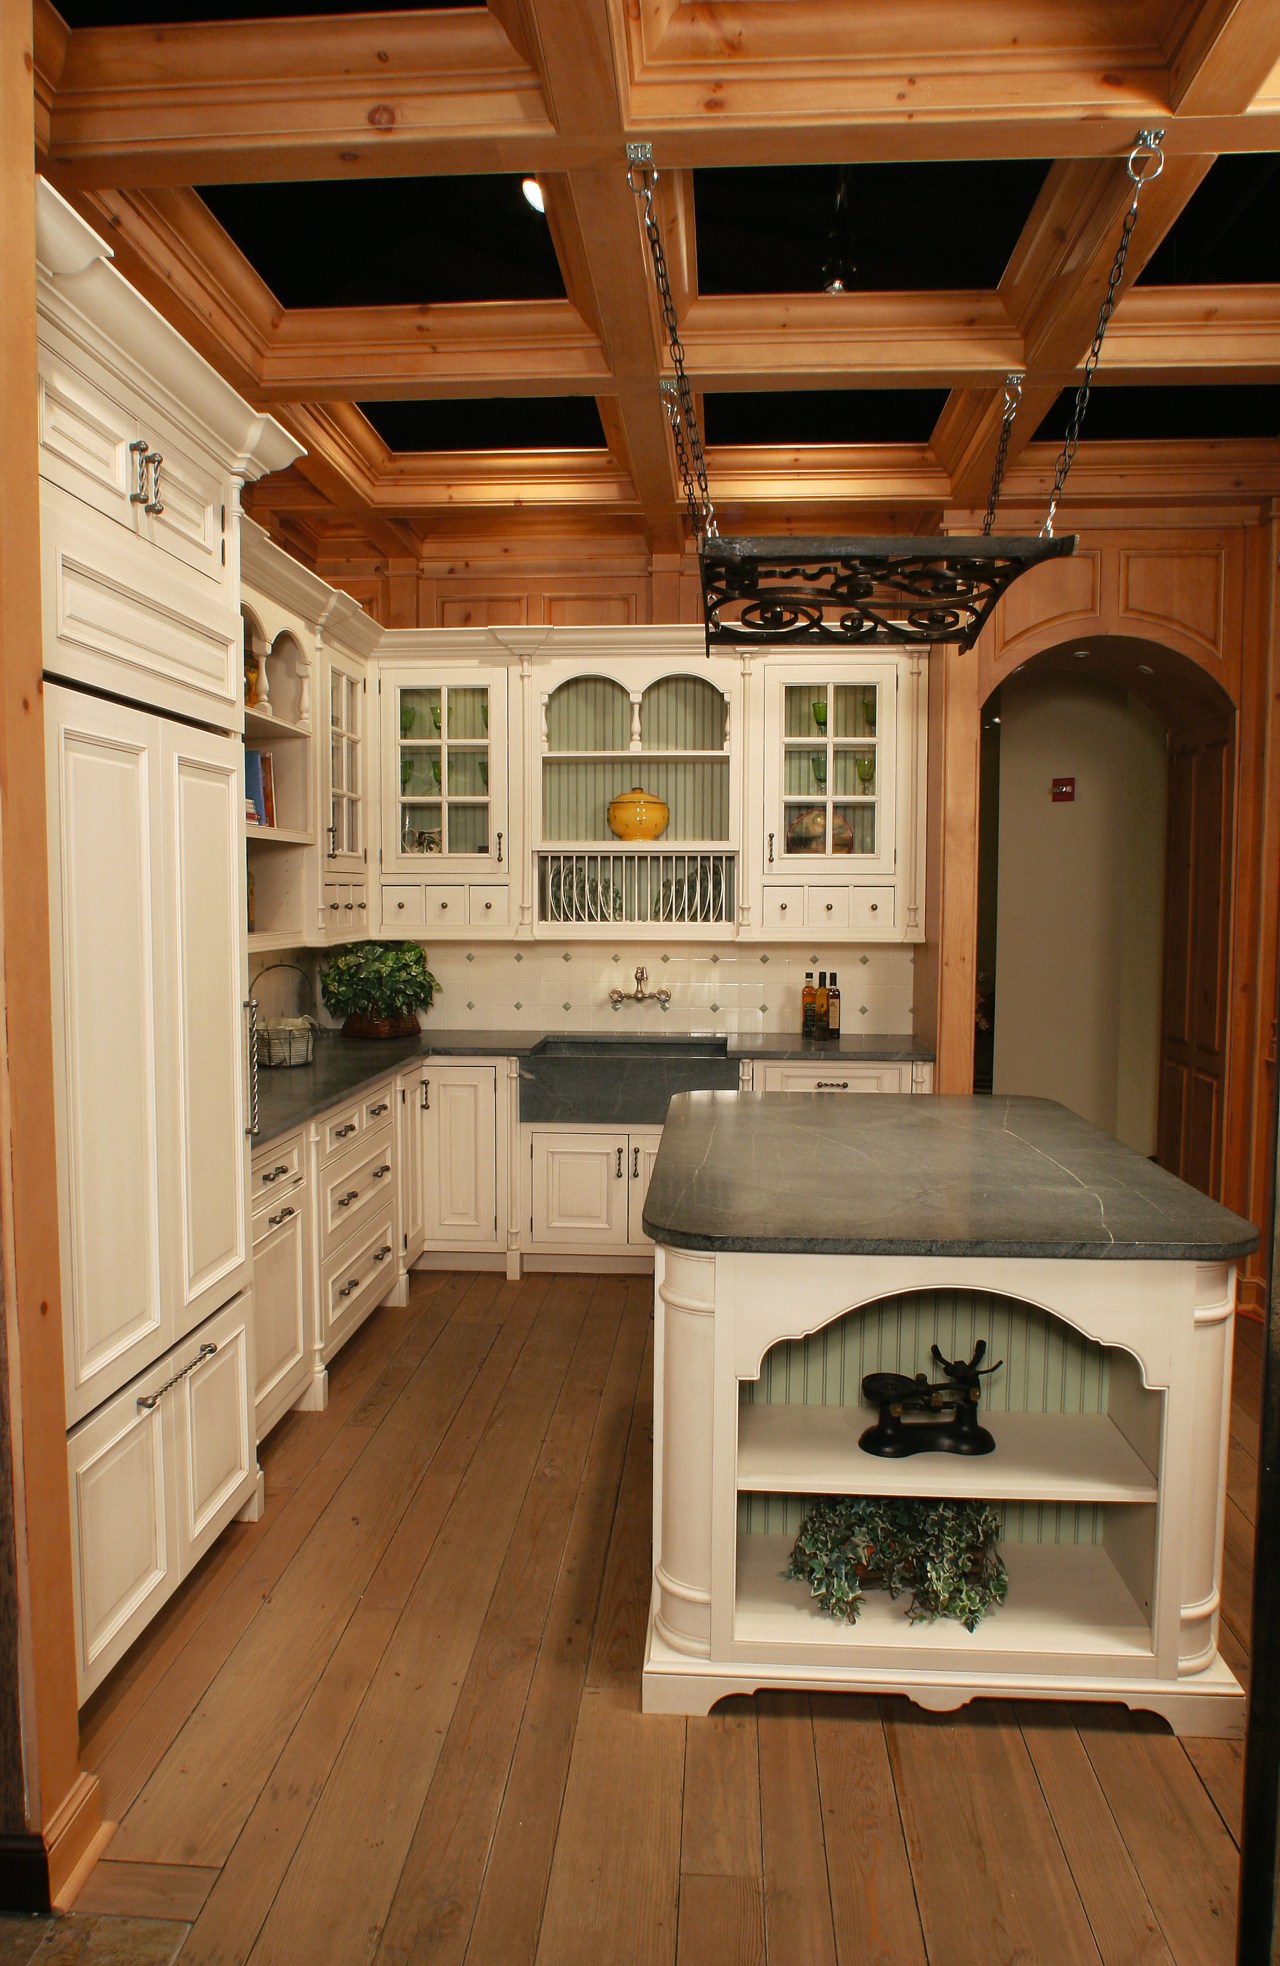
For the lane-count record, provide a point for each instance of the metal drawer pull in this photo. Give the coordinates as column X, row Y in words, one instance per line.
column 352, row 1283
column 426, row 1095
column 251, row 1009
column 831, row 1085
column 139, row 448
column 148, row 1400
column 499, row 849
column 380, row 1255
column 345, row 1201
column 378, row 1172
column 635, row 1163
column 276, row 1172
column 619, row 1174
column 341, row 1132
column 375, row 1110
column 154, row 504
column 771, row 849
column 274, row 1221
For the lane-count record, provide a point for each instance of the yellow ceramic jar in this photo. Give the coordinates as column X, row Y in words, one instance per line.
column 637, row 815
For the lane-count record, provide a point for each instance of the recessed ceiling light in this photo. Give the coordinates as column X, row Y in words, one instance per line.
column 1145, row 669
column 533, row 194
column 1079, row 654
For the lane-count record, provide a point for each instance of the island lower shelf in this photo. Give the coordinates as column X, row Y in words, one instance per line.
column 1063, row 1603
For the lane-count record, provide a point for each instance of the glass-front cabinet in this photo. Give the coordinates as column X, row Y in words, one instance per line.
column 345, row 824
column 842, row 789
column 639, row 800
column 446, row 839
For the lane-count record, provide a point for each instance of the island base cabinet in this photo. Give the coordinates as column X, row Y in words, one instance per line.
column 156, row 1473
column 1109, row 1419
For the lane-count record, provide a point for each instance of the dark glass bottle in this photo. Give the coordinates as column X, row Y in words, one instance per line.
column 808, row 1006
column 821, row 1006
column 833, row 1007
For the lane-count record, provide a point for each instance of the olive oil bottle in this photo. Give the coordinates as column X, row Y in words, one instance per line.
column 821, row 1008
column 808, row 1006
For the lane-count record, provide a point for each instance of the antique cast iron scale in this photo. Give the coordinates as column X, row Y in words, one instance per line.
column 954, row 1399
column 863, row 592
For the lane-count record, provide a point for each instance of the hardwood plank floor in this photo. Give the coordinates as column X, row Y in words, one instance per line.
column 397, row 1720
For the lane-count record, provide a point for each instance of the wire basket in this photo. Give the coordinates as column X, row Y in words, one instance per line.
column 285, row 1041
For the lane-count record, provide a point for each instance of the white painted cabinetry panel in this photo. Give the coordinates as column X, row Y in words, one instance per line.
column 461, row 1149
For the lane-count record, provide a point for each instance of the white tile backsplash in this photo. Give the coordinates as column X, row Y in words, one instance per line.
column 487, row 986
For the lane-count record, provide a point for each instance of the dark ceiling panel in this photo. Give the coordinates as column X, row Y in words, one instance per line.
column 173, row 13
column 823, row 416
column 1128, row 414
column 391, row 241
column 1226, row 234
column 490, row 423
column 902, row 227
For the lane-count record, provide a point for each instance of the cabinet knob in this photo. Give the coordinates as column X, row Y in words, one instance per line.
column 400, row 906
column 348, row 905
column 487, row 906
column 830, row 907
column 782, row 907
column 444, row 905
column 333, row 907
column 875, row 907
column 362, row 905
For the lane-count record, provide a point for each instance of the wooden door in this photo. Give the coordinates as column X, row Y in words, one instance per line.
column 461, row 1155
column 111, row 1057
column 1193, row 1025
column 580, row 1183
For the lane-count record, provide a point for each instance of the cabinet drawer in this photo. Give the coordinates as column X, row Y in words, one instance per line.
column 487, row 907
column 350, row 1189
column 874, row 908
column 339, row 1128
column 826, row 907
column 356, row 1278
column 85, row 434
column 444, row 904
column 344, row 908
column 839, row 1076
column 273, row 1170
column 402, row 907
column 377, row 1107
column 782, row 907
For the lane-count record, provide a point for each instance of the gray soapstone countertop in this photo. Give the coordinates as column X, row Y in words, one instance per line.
column 289, row 1096
column 892, row 1174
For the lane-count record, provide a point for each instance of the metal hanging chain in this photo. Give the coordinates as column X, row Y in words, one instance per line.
column 1012, row 402
column 677, row 396
column 1146, row 161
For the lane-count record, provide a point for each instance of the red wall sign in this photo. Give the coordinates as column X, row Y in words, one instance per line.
column 1064, row 791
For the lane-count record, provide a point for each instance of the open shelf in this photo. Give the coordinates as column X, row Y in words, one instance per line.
column 258, row 725
column 1063, row 1598
column 1039, row 1457
column 277, row 835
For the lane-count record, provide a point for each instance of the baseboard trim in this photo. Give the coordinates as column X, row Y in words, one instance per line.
column 75, row 1838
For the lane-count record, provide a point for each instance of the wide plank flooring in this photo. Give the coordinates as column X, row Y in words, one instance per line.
column 398, row 1719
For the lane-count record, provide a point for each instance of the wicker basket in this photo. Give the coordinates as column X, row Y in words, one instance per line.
column 284, row 1041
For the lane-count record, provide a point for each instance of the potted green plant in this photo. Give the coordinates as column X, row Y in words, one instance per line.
column 944, row 1552
column 376, row 988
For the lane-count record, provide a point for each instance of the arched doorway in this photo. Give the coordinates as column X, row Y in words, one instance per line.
column 1104, row 893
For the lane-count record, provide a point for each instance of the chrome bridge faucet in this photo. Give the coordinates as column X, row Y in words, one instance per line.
column 640, row 995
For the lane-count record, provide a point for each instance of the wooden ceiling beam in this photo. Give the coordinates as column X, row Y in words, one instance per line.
column 847, row 341
column 1053, row 288
column 254, row 99
column 1224, row 57
column 489, row 348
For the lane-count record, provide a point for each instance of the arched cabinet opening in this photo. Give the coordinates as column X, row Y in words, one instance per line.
column 1074, row 1479
column 638, row 802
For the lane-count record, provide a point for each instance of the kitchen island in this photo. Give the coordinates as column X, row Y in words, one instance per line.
column 803, row 1243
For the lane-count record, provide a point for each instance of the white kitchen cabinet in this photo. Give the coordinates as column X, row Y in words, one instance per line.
column 411, row 1109
column 149, row 1039
column 156, row 1473
column 445, row 799
column 460, row 1146
column 587, row 1187
column 281, row 1278
column 344, row 803
column 839, row 787
column 356, row 1236
column 842, row 1075
column 143, row 450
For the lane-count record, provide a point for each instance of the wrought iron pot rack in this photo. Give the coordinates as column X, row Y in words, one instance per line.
column 864, row 592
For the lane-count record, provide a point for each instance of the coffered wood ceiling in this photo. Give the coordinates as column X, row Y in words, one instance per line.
column 367, row 264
